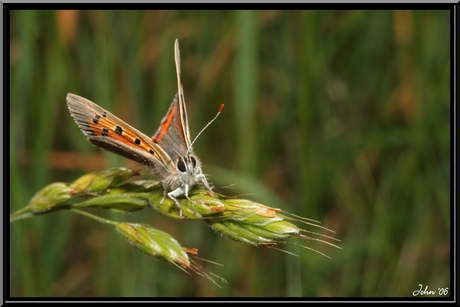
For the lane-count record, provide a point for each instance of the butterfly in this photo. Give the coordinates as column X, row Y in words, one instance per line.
column 169, row 153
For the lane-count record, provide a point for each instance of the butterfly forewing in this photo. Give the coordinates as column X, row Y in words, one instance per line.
column 171, row 135
column 107, row 131
column 180, row 93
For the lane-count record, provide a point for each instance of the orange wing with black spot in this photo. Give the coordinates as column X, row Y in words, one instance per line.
column 107, row 131
column 173, row 135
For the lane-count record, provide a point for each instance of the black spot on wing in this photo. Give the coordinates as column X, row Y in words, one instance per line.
column 105, row 132
column 118, row 130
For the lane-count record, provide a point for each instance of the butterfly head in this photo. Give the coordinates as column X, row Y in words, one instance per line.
column 189, row 168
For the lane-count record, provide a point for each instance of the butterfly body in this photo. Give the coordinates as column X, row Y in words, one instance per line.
column 168, row 154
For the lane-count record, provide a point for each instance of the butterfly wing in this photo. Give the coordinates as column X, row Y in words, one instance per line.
column 107, row 131
column 173, row 135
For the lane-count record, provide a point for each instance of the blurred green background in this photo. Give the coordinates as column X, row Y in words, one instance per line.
column 339, row 116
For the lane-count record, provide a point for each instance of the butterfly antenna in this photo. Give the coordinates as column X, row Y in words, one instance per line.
column 218, row 112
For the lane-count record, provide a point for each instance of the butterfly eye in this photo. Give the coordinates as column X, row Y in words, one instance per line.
column 181, row 165
column 193, row 161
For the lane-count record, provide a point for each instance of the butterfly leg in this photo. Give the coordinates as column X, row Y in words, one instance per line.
column 176, row 202
column 181, row 191
column 178, row 192
column 186, row 195
column 172, row 195
column 205, row 183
